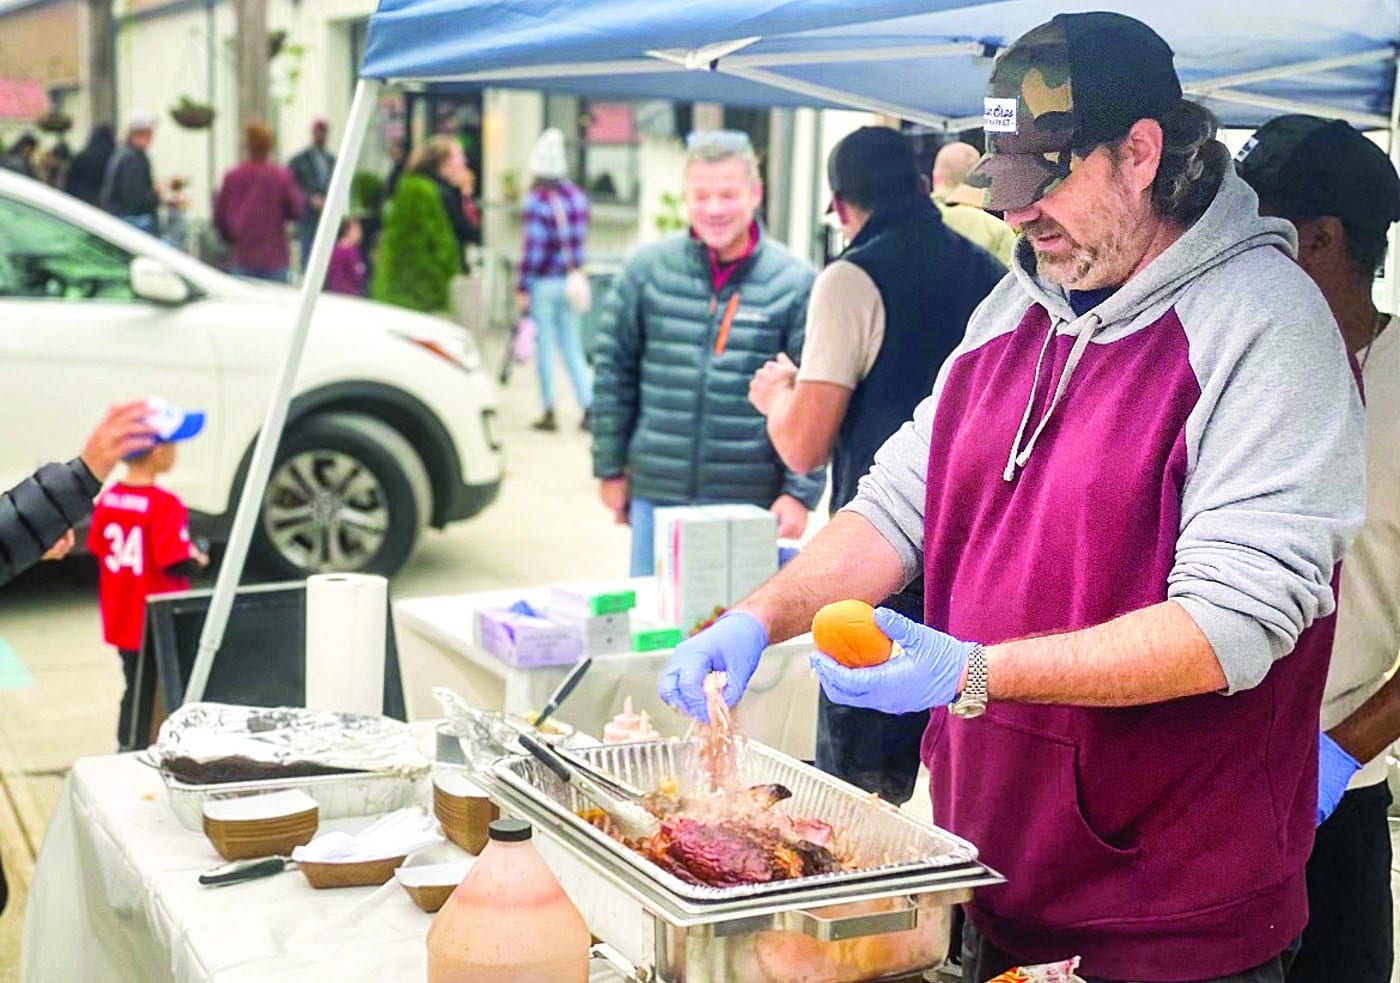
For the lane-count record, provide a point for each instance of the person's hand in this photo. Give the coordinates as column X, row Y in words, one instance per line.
column 522, row 301
column 613, row 492
column 318, row 202
column 924, row 675
column 774, row 378
column 792, row 517
column 731, row 645
column 61, row 548
column 123, row 431
column 1335, row 768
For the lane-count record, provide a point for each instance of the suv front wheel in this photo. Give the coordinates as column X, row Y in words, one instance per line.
column 348, row 493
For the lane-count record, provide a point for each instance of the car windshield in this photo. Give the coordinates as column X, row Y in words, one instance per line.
column 42, row 256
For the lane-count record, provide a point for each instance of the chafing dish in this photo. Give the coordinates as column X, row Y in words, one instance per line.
column 887, row 919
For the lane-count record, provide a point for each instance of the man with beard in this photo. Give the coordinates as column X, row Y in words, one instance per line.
column 691, row 319
column 1127, row 495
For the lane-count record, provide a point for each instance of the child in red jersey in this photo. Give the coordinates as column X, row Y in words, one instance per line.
column 140, row 537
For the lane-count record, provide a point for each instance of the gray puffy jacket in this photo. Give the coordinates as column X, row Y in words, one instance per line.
column 670, row 410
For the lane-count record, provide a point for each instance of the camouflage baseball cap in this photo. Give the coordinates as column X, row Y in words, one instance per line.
column 1059, row 91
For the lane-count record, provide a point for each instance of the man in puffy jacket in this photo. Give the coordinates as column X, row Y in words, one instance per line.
column 37, row 515
column 691, row 319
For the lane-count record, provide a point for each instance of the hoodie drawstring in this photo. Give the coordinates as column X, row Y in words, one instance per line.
column 1019, row 456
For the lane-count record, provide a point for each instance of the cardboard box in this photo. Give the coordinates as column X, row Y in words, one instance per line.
column 525, row 640
column 601, row 634
column 590, row 598
column 654, row 637
column 692, row 563
column 753, row 547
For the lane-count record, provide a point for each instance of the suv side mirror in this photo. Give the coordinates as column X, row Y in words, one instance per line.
column 154, row 281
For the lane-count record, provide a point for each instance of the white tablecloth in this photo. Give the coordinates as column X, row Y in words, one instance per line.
column 435, row 643
column 115, row 898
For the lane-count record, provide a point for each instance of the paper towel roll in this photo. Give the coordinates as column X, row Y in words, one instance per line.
column 345, row 618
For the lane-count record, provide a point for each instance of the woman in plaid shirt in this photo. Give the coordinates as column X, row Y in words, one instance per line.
column 555, row 217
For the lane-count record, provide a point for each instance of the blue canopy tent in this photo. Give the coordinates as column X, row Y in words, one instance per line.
column 922, row 60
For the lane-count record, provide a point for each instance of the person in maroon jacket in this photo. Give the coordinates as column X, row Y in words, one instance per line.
column 257, row 200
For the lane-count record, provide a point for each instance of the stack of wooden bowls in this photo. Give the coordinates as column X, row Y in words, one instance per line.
column 463, row 809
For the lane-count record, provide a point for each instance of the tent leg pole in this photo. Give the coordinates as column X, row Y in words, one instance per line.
column 231, row 569
column 1392, row 278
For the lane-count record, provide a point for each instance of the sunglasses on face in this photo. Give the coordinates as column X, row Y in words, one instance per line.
column 732, row 141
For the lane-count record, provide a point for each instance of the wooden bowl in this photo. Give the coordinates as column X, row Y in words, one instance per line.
column 360, row 873
column 260, row 825
column 430, row 885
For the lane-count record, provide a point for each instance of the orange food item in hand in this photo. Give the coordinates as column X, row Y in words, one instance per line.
column 846, row 631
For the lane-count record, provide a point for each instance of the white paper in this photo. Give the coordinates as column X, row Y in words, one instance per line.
column 345, row 617
column 394, row 835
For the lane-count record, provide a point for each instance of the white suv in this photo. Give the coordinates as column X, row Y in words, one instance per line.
column 391, row 426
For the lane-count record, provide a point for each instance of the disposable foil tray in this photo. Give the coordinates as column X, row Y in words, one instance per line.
column 338, row 796
column 885, row 843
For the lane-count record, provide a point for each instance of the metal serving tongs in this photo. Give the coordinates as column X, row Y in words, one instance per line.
column 623, row 808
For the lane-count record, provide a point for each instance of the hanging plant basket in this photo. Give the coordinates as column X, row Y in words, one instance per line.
column 192, row 115
column 54, row 121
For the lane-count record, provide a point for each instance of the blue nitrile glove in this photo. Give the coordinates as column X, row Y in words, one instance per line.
column 1335, row 769
column 925, row 675
column 731, row 645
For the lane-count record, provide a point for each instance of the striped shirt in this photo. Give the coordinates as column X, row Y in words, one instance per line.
column 552, row 247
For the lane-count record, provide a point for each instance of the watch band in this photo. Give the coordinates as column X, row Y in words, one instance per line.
column 972, row 701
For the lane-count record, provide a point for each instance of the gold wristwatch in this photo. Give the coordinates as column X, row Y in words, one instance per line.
column 972, row 701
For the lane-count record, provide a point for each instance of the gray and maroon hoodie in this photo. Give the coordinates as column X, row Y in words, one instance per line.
column 1196, row 437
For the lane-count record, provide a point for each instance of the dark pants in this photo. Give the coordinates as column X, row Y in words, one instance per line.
column 1350, row 933
column 876, row 751
column 129, row 658
column 981, row 961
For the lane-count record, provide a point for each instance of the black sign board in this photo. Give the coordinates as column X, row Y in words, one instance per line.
column 262, row 661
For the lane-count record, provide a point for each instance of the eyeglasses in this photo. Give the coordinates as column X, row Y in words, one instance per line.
column 727, row 141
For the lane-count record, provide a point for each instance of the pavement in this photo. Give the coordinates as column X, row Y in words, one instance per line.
column 60, row 684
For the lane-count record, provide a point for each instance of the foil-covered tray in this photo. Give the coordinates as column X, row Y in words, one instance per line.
column 351, row 764
column 339, row 796
column 884, row 842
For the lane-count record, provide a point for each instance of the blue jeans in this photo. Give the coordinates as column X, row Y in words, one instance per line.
column 640, row 517
column 274, row 276
column 557, row 323
column 146, row 223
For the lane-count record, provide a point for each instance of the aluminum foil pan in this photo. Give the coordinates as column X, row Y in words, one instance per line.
column 884, row 842
column 285, row 738
column 338, row 796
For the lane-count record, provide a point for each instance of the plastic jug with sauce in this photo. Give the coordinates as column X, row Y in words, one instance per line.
column 509, row 921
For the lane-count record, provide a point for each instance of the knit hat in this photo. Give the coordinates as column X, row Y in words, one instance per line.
column 872, row 167
column 547, row 160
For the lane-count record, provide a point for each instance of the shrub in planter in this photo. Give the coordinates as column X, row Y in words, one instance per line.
column 54, row 121
column 418, row 253
column 192, row 115
column 366, row 193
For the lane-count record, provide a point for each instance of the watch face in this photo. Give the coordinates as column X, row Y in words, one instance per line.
column 968, row 709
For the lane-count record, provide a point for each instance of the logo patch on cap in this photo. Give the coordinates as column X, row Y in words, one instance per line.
column 999, row 115
column 1249, row 145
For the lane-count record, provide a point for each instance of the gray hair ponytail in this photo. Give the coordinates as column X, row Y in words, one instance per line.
column 1193, row 164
